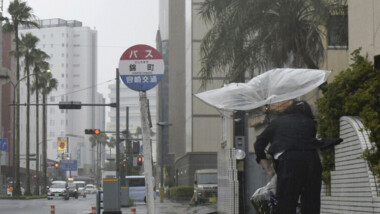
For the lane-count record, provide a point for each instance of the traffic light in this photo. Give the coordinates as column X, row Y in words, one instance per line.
column 56, row 165
column 92, row 131
column 136, row 147
column 139, row 161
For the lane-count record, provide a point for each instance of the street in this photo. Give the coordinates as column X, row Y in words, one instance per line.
column 84, row 205
column 38, row 206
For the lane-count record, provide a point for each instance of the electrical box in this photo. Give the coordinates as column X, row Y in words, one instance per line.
column 240, row 142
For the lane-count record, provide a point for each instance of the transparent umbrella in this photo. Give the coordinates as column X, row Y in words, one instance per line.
column 270, row 87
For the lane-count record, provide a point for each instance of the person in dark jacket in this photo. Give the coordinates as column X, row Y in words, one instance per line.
column 294, row 147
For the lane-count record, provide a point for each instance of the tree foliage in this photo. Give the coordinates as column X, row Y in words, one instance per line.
column 248, row 34
column 354, row 92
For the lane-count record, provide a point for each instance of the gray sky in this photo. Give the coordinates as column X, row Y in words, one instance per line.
column 120, row 24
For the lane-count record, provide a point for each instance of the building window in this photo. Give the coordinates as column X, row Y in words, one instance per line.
column 51, row 35
column 62, row 75
column 51, row 45
column 52, row 99
column 51, row 134
column 62, row 85
column 62, row 98
column 51, row 122
column 337, row 31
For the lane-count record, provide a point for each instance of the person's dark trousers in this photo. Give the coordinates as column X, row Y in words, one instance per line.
column 299, row 173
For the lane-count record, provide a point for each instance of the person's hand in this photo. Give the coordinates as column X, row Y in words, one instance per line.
column 271, row 173
column 267, row 168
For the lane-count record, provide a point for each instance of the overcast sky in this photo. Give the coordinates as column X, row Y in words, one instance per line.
column 120, row 24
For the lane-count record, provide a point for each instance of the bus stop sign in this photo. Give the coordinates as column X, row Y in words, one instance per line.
column 141, row 67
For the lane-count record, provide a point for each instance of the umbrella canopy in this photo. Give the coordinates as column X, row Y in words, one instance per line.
column 270, row 87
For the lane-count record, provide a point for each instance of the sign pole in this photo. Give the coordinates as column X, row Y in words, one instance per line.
column 147, row 152
column 141, row 69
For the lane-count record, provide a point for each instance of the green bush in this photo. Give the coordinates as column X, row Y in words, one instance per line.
column 354, row 92
column 180, row 192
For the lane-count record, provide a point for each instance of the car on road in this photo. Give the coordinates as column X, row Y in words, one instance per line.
column 58, row 190
column 81, row 188
column 90, row 189
column 73, row 190
column 137, row 189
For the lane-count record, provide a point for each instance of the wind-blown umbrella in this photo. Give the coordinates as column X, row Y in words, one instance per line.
column 270, row 87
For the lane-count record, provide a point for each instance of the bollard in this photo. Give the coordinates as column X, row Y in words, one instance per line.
column 133, row 210
column 52, row 209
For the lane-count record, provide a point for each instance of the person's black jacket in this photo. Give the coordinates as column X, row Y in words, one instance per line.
column 295, row 130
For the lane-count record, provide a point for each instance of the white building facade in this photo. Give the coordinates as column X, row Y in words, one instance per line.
column 73, row 62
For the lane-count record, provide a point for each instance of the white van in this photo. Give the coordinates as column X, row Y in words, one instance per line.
column 137, row 190
column 81, row 187
column 205, row 184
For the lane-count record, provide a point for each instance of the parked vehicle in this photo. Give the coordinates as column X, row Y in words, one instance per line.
column 137, row 189
column 81, row 188
column 205, row 184
column 73, row 190
column 58, row 189
column 90, row 189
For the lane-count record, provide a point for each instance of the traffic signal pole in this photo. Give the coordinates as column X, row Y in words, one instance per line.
column 118, row 134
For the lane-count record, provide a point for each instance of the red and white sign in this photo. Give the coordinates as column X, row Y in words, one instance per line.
column 141, row 67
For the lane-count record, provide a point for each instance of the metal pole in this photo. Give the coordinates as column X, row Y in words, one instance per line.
column 162, row 165
column 147, row 151
column 14, row 137
column 118, row 134
column 126, row 139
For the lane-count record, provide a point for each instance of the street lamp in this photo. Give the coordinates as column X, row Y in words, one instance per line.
column 14, row 117
column 162, row 125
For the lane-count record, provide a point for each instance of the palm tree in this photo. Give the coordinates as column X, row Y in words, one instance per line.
column 111, row 143
column 27, row 47
column 40, row 64
column 99, row 141
column 256, row 34
column 46, row 84
column 21, row 14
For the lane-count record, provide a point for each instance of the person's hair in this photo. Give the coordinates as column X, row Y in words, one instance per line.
column 300, row 107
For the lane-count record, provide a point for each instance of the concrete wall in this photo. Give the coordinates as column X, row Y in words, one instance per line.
column 353, row 186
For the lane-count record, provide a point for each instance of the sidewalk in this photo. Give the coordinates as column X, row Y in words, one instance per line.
column 170, row 207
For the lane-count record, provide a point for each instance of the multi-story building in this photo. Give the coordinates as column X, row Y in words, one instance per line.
column 194, row 128
column 73, row 63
